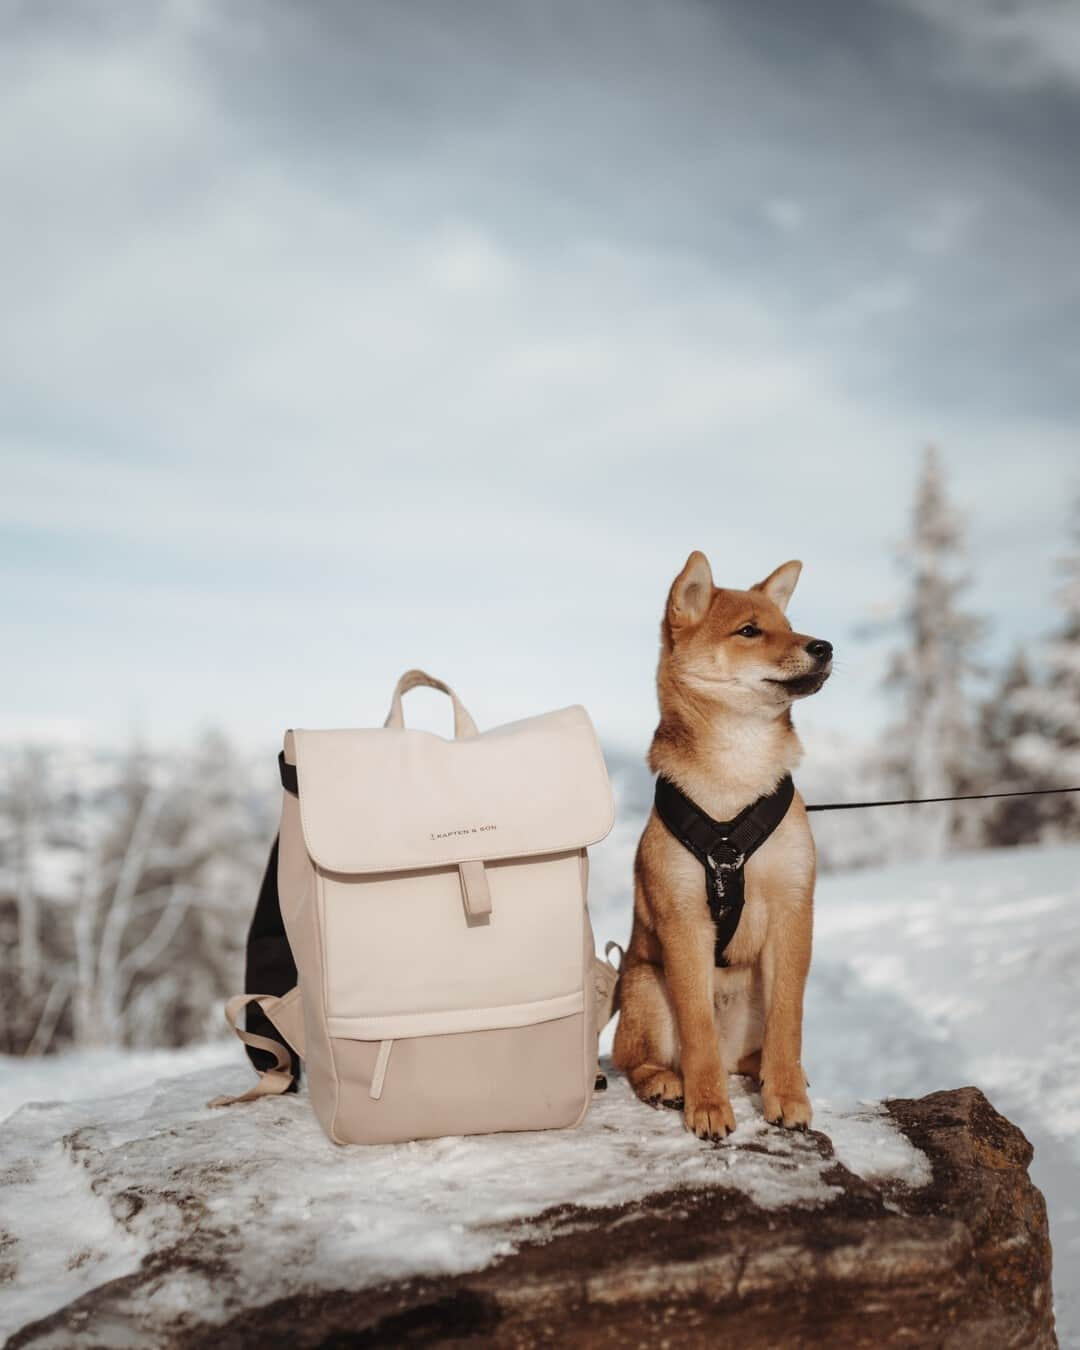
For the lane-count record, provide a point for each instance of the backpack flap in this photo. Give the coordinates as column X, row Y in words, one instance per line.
column 390, row 800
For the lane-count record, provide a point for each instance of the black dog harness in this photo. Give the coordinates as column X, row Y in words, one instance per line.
column 722, row 847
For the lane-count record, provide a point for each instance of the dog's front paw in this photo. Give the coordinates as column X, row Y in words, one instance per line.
column 663, row 1088
column 710, row 1117
column 790, row 1109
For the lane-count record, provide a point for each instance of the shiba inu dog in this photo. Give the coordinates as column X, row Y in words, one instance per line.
column 730, row 669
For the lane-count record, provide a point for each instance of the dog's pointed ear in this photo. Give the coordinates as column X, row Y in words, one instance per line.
column 691, row 592
column 779, row 585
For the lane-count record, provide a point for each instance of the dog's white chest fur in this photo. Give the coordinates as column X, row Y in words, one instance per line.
column 739, row 1012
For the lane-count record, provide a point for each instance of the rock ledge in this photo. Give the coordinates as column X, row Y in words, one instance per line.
column 964, row 1261
column 200, row 1229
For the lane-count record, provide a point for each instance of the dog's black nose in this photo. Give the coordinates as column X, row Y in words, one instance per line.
column 820, row 648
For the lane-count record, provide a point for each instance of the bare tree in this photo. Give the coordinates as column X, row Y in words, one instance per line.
column 23, row 831
column 110, row 954
column 152, row 868
column 160, row 920
column 28, row 797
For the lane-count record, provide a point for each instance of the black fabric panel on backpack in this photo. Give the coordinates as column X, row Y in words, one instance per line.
column 270, row 968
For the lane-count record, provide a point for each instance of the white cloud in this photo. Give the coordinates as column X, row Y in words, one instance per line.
column 785, row 214
column 944, row 227
column 863, row 305
column 466, row 259
column 1017, row 42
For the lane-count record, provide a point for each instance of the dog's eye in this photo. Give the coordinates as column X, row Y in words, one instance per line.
column 749, row 630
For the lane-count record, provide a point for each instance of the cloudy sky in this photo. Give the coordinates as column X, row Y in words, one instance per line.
column 344, row 337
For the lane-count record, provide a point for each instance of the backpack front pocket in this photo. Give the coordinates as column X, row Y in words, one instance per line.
column 530, row 1077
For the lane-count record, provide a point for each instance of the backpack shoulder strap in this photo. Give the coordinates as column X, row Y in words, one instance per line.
column 286, row 1016
column 269, row 968
column 274, row 1032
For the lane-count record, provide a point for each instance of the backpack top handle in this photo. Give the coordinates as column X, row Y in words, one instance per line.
column 464, row 726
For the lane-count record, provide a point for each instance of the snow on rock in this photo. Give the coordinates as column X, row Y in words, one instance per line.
column 91, row 1189
column 100, row 1073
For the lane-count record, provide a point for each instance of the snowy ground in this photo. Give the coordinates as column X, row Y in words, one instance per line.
column 925, row 977
column 967, row 972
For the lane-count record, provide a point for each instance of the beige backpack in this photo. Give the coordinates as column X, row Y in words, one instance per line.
column 433, row 893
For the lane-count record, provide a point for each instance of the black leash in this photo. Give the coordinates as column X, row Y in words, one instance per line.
column 289, row 783
column 920, row 801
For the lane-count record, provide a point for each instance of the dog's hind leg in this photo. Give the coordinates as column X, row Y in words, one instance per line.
column 646, row 1039
column 750, row 1065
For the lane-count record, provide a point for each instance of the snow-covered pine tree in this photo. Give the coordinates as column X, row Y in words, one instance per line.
column 1048, row 751
column 932, row 750
column 1007, row 721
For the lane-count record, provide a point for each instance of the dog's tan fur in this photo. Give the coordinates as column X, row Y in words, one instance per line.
column 725, row 737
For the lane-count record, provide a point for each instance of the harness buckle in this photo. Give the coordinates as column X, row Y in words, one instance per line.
column 731, row 864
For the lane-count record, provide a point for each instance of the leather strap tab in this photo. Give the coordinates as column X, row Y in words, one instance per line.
column 274, row 1081
column 474, row 889
column 606, row 983
column 287, row 1015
